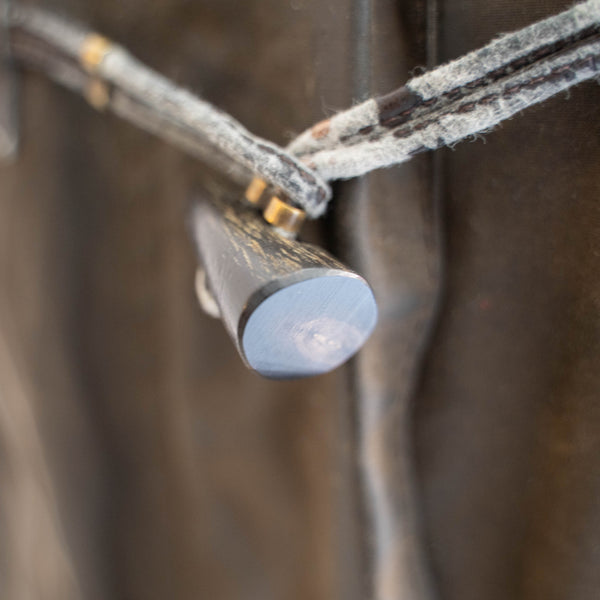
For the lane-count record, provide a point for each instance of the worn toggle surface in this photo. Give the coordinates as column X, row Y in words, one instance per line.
column 291, row 309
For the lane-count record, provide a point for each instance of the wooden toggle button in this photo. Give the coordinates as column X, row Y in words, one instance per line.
column 291, row 309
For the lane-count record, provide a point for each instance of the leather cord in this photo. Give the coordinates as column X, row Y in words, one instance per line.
column 448, row 104
column 41, row 40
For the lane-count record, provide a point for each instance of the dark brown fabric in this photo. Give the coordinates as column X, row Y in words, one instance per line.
column 455, row 458
column 176, row 473
column 507, row 421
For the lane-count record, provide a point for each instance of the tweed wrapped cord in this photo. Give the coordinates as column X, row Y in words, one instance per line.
column 457, row 100
column 442, row 107
column 144, row 97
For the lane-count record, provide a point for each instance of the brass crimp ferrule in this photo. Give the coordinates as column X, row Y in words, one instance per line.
column 93, row 50
column 97, row 93
column 287, row 219
column 255, row 192
column 283, row 216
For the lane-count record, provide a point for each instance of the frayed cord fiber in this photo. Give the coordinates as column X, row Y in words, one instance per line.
column 459, row 99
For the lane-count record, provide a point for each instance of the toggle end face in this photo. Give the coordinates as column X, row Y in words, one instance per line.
column 307, row 323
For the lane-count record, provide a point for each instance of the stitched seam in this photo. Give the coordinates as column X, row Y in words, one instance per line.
column 511, row 68
column 440, row 111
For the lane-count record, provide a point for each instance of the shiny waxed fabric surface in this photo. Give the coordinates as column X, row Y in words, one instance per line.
column 174, row 472
column 161, row 468
column 507, row 417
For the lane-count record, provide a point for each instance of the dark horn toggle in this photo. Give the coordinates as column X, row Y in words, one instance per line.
column 291, row 309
